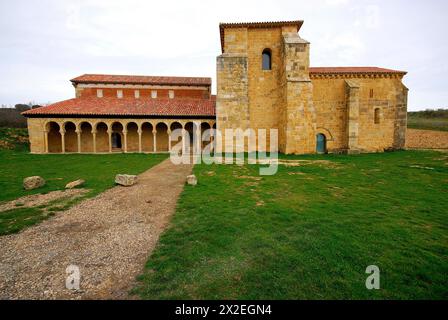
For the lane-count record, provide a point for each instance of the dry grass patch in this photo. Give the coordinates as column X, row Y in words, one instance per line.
column 36, row 200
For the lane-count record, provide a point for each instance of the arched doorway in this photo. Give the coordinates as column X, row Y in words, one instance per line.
column 147, row 137
column 54, row 138
column 116, row 140
column 102, row 137
column 133, row 140
column 86, row 137
column 162, row 137
column 117, row 132
column 71, row 137
column 321, row 143
column 206, row 128
column 176, row 126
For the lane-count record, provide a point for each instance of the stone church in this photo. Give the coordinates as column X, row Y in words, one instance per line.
column 264, row 81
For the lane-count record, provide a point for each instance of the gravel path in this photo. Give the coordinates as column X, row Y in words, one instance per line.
column 108, row 237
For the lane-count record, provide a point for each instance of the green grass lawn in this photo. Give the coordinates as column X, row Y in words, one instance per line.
column 308, row 232
column 98, row 170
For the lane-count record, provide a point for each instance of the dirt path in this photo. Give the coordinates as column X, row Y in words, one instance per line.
column 108, row 237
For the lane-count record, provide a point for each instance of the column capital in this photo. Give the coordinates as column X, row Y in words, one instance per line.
column 94, row 132
column 154, row 131
column 125, row 131
column 62, row 131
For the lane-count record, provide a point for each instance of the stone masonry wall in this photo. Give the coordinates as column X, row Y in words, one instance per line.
column 332, row 103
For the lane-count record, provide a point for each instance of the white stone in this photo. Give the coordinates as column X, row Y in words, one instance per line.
column 125, row 180
column 31, row 183
column 192, row 180
column 74, row 184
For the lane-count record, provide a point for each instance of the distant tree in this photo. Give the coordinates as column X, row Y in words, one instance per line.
column 22, row 107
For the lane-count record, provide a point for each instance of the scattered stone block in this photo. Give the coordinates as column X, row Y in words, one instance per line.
column 74, row 184
column 31, row 183
column 192, row 180
column 125, row 180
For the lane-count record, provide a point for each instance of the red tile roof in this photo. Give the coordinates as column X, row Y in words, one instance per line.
column 352, row 70
column 93, row 106
column 149, row 80
column 267, row 24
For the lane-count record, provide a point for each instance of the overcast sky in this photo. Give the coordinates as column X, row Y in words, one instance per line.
column 43, row 44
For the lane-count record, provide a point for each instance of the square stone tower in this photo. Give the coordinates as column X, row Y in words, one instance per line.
column 263, row 83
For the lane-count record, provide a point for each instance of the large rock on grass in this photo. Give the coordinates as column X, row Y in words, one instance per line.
column 74, row 184
column 125, row 180
column 31, row 183
column 192, row 180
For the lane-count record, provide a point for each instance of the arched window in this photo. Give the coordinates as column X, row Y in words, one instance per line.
column 377, row 115
column 267, row 59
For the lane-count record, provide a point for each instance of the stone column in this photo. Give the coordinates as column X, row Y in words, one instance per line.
column 140, row 140
column 352, row 92
column 125, row 135
column 109, row 132
column 169, row 140
column 197, row 138
column 78, row 133
column 62, row 132
column 154, row 133
column 94, row 140
column 184, row 140
column 46, row 141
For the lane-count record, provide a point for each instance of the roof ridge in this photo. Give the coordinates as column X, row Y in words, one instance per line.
column 351, row 69
column 141, row 79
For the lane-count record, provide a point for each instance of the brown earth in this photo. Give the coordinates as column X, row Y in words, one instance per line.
column 426, row 139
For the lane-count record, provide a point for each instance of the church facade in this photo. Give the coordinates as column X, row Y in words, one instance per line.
column 264, row 81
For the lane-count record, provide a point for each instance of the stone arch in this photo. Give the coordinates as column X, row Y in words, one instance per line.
column 147, row 137
column 86, row 129
column 205, row 126
column 190, row 128
column 377, row 116
column 102, row 137
column 266, row 59
column 132, row 129
column 71, row 137
column 117, row 129
column 175, row 126
column 325, row 132
column 54, row 138
column 162, row 137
